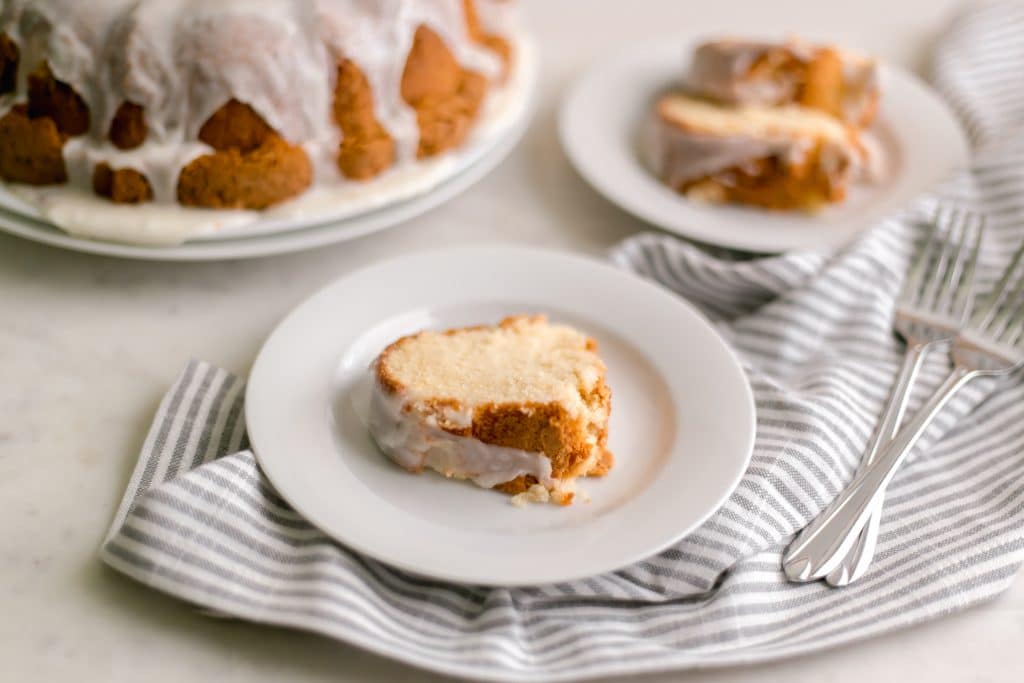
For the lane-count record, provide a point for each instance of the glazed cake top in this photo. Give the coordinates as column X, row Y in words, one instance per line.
column 522, row 360
column 183, row 59
column 723, row 70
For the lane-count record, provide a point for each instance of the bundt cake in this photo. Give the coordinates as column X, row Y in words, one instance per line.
column 239, row 104
column 521, row 406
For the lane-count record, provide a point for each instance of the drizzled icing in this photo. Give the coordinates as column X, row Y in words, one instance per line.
column 182, row 59
column 415, row 442
column 720, row 70
column 82, row 213
column 680, row 154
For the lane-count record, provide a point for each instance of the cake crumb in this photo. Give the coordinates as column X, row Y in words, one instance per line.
column 563, row 497
column 534, row 494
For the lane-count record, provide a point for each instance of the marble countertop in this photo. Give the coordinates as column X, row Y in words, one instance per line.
column 88, row 345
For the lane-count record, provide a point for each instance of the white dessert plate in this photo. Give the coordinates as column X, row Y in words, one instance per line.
column 275, row 235
column 601, row 118
column 682, row 422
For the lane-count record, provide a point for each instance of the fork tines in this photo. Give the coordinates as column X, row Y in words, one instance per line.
column 941, row 279
column 1000, row 316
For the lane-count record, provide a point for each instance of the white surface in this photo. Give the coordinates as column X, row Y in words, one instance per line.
column 88, row 345
column 308, row 395
column 602, row 118
column 339, row 211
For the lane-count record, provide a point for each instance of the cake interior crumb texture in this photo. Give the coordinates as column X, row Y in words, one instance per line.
column 524, row 384
column 751, row 120
column 523, row 361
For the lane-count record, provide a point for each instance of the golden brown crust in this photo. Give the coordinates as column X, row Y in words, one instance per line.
column 431, row 71
column 777, row 63
column 445, row 96
column 128, row 127
column 31, row 150
column 537, row 428
column 663, row 109
column 823, row 87
column 237, row 126
column 253, row 167
column 256, row 179
column 446, row 124
column 772, row 183
column 604, row 464
column 820, row 81
column 518, row 485
column 510, row 322
column 9, row 55
column 870, row 111
column 32, row 136
column 123, row 186
column 494, row 42
column 363, row 158
column 548, row 428
column 366, row 147
column 48, row 97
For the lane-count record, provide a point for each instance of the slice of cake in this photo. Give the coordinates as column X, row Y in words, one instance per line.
column 521, row 406
column 782, row 157
column 838, row 82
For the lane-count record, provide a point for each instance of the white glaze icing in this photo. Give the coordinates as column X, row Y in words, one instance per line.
column 182, row 59
column 416, row 442
column 498, row 16
column 720, row 70
column 679, row 155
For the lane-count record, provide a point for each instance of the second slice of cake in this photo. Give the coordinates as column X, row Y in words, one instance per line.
column 787, row 157
column 521, row 406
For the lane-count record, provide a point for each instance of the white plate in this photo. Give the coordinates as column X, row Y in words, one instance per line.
column 682, row 424
column 601, row 118
column 276, row 236
column 278, row 243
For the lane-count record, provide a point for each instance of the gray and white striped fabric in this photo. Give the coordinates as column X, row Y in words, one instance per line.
column 200, row 521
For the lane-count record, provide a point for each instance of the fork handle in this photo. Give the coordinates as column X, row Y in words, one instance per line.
column 896, row 405
column 817, row 549
column 856, row 561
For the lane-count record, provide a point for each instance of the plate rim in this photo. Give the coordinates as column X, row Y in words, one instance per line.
column 269, row 465
column 679, row 44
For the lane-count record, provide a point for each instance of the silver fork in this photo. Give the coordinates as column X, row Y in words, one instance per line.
column 991, row 344
column 927, row 316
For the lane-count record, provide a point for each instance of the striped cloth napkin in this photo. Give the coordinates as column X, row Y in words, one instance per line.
column 200, row 521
